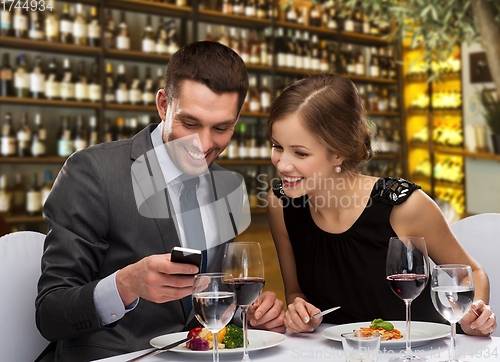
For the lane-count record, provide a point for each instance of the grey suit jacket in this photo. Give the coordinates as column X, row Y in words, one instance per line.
column 96, row 228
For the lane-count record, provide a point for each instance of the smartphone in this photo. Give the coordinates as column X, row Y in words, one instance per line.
column 187, row 256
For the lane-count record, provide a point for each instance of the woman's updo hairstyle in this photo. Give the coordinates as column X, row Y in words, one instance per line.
column 330, row 107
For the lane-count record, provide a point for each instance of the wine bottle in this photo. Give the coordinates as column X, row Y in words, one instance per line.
column 253, row 149
column 160, row 80
column 18, row 195
column 315, row 15
column 46, row 187
column 109, row 31
column 261, row 9
column 81, row 85
column 172, row 37
column 38, row 147
column 281, row 48
column 332, row 19
column 250, row 8
column 37, row 79
column 6, row 77
column 8, row 142
column 120, row 133
column 234, row 41
column 291, row 15
column 148, row 37
column 5, row 22
column 81, row 139
column 107, row 135
column 349, row 21
column 265, row 96
column 244, row 46
column 133, row 127
column 243, row 142
column 266, row 50
column 33, row 197
column 94, row 88
column 67, row 82
column 66, row 26
column 238, row 7
column 24, row 137
column 315, row 53
column 360, row 62
column 254, row 46
column 65, row 143
column 227, row 7
column 121, row 86
column 51, row 25
column 36, row 29
column 94, row 28
column 5, row 196
column 232, row 148
column 93, row 131
column 374, row 65
column 20, row 24
column 52, row 82
column 135, row 91
column 265, row 144
column 299, row 50
column 306, row 51
column 122, row 37
column 148, row 91
column 80, row 31
column 324, row 57
column 21, row 78
column 109, row 94
column 161, row 38
column 254, row 95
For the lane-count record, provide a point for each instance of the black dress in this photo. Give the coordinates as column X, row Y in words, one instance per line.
column 348, row 269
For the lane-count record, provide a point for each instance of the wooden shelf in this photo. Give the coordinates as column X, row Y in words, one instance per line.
column 149, row 7
column 213, row 16
column 259, row 68
column 21, row 219
column 365, row 79
column 28, row 160
column 449, row 185
column 246, row 161
column 467, row 154
column 383, row 114
column 46, row 46
column 135, row 55
column 129, row 107
column 254, row 114
column 365, row 39
column 48, row 102
column 386, row 155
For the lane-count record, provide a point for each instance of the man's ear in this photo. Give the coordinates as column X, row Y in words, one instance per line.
column 161, row 104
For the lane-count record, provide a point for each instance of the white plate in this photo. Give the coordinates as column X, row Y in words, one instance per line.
column 257, row 340
column 421, row 332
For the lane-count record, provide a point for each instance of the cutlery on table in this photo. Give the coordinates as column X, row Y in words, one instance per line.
column 320, row 314
column 160, row 350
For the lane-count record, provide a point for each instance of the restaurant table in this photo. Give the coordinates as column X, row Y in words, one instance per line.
column 315, row 347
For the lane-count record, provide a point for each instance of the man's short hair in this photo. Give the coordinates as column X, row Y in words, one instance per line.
column 211, row 64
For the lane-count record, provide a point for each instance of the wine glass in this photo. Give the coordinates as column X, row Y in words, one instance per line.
column 243, row 262
column 452, row 293
column 214, row 303
column 407, row 270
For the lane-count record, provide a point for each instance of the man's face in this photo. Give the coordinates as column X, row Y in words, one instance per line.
column 200, row 122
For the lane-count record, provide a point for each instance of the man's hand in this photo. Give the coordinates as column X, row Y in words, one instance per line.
column 267, row 313
column 155, row 278
column 298, row 316
column 483, row 325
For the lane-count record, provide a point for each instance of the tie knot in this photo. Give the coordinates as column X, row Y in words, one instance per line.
column 190, row 182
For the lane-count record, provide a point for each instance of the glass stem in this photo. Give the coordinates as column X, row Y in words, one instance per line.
column 245, row 339
column 408, row 317
column 453, row 344
column 216, row 346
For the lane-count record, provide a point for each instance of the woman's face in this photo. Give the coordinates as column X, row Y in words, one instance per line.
column 304, row 164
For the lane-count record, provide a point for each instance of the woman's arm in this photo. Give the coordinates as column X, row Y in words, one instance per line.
column 420, row 216
column 299, row 310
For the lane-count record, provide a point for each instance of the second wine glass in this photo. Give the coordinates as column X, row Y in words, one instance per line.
column 407, row 270
column 243, row 262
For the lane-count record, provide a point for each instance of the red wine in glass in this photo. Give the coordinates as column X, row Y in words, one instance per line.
column 247, row 289
column 407, row 286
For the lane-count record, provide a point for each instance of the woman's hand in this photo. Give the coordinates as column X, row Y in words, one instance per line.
column 298, row 315
column 484, row 325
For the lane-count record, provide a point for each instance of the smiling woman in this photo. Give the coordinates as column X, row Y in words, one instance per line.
column 331, row 225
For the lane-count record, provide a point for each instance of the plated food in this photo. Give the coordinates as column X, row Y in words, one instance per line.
column 230, row 336
column 386, row 329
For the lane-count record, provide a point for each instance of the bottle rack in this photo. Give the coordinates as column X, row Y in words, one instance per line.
column 190, row 18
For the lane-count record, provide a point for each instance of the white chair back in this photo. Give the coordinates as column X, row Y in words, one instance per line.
column 20, row 255
column 480, row 236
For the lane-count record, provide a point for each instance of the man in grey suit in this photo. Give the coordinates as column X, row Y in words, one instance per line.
column 108, row 285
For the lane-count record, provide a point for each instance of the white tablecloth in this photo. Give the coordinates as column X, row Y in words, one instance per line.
column 315, row 347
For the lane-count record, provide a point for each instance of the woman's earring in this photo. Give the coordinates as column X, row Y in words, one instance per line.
column 338, row 169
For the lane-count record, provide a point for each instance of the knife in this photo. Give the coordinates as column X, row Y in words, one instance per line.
column 160, row 350
column 317, row 315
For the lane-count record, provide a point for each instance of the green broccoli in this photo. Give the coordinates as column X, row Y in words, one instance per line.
column 233, row 337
